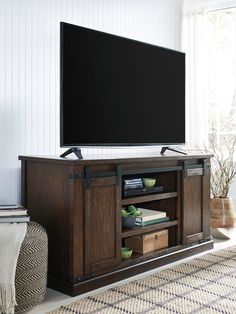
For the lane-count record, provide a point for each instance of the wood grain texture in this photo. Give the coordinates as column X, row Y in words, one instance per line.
column 206, row 203
column 76, row 205
column 47, row 199
column 148, row 243
column 148, row 198
column 195, row 206
column 142, row 230
column 127, row 270
column 101, row 225
column 79, row 203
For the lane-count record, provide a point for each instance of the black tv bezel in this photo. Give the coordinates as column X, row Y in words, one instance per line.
column 61, row 97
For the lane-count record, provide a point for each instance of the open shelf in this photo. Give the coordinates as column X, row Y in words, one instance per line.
column 137, row 230
column 137, row 257
column 148, row 198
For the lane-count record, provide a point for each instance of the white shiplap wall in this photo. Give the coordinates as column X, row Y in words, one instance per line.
column 29, row 67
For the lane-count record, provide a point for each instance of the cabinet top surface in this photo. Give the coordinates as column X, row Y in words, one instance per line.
column 116, row 159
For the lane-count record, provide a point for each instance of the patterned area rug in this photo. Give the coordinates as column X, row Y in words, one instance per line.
column 206, row 284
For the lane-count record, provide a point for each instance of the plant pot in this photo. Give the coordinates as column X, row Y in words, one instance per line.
column 128, row 222
column 222, row 217
column 222, row 214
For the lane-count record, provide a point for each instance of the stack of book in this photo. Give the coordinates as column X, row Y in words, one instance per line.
column 132, row 185
column 13, row 213
column 135, row 187
column 150, row 217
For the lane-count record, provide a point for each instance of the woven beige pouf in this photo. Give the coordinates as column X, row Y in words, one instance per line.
column 31, row 269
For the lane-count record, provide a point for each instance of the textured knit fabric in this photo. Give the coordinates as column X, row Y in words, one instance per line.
column 11, row 238
column 31, row 269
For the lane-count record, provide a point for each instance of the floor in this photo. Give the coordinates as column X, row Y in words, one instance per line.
column 55, row 299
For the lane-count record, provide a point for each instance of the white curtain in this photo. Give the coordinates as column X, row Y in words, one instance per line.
column 194, row 44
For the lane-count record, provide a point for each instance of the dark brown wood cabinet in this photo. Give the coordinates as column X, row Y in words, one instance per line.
column 102, row 220
column 79, row 203
column 195, row 203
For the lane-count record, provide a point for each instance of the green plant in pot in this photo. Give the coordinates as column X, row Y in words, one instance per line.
column 129, row 216
column 223, row 172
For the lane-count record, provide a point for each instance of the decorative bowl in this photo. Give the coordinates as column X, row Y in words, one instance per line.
column 149, row 182
column 126, row 252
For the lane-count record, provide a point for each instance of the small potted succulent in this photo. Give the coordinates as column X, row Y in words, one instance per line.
column 129, row 215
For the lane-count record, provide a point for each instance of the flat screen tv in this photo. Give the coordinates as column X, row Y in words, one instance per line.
column 117, row 91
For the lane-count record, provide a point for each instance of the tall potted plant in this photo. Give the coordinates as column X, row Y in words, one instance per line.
column 223, row 172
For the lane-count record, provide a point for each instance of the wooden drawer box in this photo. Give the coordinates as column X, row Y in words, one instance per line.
column 149, row 242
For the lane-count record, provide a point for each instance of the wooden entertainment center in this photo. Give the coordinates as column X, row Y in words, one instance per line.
column 79, row 203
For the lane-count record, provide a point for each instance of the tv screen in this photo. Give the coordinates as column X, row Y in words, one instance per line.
column 119, row 91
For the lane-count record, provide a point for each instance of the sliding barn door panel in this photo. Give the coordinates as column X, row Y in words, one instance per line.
column 102, row 224
column 195, row 205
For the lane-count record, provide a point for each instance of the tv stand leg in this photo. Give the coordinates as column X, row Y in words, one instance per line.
column 75, row 150
column 164, row 148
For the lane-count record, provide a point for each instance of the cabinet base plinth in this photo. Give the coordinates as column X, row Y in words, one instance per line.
column 115, row 276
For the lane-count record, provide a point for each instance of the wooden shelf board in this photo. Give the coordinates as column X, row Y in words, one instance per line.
column 137, row 258
column 136, row 230
column 148, row 198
